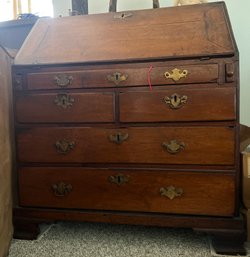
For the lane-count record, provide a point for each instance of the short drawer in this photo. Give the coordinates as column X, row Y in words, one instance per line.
column 65, row 107
column 126, row 190
column 203, row 104
column 158, row 74
column 138, row 145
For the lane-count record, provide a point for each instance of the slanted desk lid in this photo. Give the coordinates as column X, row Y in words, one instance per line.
column 188, row 31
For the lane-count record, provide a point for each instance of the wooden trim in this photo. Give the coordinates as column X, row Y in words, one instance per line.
column 146, row 219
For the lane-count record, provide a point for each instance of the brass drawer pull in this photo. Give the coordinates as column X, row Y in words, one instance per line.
column 64, row 100
column 64, row 146
column 118, row 137
column 63, row 80
column 171, row 192
column 62, row 189
column 173, row 146
column 117, row 77
column 175, row 101
column 176, row 74
column 118, row 179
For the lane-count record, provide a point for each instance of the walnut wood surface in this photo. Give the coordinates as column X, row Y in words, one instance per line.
column 91, row 189
column 182, row 31
column 136, row 76
column 202, row 104
column 118, row 126
column 144, row 145
column 87, row 107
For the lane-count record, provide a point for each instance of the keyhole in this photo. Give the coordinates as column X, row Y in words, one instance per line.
column 175, row 98
column 119, row 179
column 117, row 77
column 118, row 138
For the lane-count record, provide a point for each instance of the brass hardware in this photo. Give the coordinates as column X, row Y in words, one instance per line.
column 118, row 137
column 176, row 74
column 63, row 80
column 122, row 15
column 118, row 179
column 64, row 146
column 64, row 100
column 175, row 101
column 171, row 192
column 117, row 77
column 173, row 146
column 61, row 189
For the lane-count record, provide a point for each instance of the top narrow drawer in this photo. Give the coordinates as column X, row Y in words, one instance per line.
column 124, row 76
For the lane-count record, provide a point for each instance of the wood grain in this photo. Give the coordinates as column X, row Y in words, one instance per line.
column 136, row 76
column 188, row 31
column 203, row 145
column 202, row 104
column 88, row 107
column 205, row 194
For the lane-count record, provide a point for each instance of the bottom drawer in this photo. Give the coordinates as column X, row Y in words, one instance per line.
column 126, row 190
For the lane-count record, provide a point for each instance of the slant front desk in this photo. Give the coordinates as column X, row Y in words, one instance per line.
column 130, row 118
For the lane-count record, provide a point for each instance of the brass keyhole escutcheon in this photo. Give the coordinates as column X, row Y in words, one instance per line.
column 118, row 179
column 117, row 77
column 173, row 146
column 122, row 15
column 64, row 100
column 171, row 192
column 176, row 74
column 64, row 146
column 118, row 137
column 61, row 189
column 175, row 101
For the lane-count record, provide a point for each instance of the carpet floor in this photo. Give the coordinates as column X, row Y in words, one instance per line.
column 66, row 239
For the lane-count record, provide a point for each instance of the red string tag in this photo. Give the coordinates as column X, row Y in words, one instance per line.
column 149, row 80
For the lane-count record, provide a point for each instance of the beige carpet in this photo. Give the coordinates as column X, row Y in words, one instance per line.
column 105, row 240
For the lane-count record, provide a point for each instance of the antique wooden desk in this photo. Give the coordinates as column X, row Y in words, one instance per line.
column 130, row 118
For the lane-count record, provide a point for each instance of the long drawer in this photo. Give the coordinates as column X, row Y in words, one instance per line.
column 116, row 77
column 138, row 145
column 65, row 107
column 124, row 190
column 175, row 104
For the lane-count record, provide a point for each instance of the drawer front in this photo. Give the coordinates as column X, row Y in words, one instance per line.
column 149, row 191
column 65, row 107
column 118, row 77
column 138, row 145
column 204, row 104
